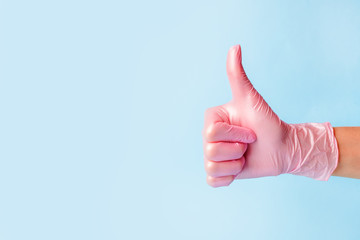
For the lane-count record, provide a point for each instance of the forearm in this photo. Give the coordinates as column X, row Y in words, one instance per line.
column 348, row 139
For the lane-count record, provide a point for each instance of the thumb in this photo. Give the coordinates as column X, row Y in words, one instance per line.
column 243, row 90
column 239, row 82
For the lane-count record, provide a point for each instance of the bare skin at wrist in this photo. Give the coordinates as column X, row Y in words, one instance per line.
column 348, row 139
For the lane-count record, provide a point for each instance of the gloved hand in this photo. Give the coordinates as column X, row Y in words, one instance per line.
column 244, row 138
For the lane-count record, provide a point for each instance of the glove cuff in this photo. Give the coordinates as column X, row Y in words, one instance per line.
column 315, row 150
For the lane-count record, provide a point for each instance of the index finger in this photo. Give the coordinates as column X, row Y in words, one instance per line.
column 217, row 128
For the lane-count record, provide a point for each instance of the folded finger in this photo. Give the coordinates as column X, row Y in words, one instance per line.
column 222, row 169
column 224, row 151
column 219, row 181
column 224, row 132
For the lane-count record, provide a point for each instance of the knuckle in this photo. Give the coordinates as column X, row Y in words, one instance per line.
column 211, row 182
column 241, row 146
column 238, row 166
column 210, row 151
column 211, row 168
column 210, row 132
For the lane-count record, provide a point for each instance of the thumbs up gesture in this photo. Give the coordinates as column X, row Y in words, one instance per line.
column 244, row 138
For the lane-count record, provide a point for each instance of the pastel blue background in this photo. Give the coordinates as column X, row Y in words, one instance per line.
column 101, row 111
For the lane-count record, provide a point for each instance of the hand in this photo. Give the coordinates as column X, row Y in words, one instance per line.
column 244, row 138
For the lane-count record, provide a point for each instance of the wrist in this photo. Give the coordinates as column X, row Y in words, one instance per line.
column 348, row 139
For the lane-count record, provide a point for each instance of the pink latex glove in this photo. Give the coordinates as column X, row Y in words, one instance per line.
column 244, row 138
